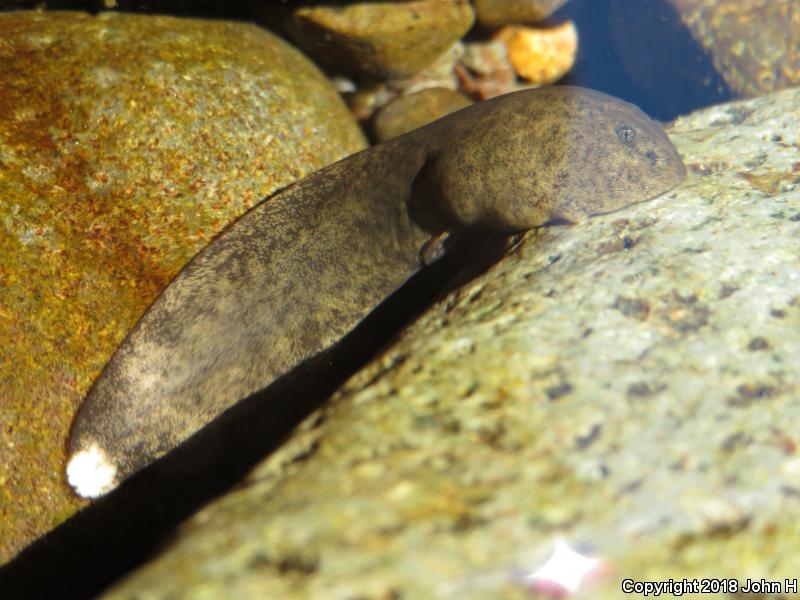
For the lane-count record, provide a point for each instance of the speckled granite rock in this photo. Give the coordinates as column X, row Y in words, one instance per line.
column 380, row 39
column 628, row 384
column 126, row 143
column 755, row 44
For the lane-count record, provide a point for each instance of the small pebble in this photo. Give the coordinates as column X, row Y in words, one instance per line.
column 415, row 110
column 368, row 98
column 437, row 74
column 541, row 56
column 380, row 39
column 485, row 70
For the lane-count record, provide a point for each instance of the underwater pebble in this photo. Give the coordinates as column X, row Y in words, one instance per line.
column 541, row 56
column 415, row 110
column 380, row 39
column 495, row 13
column 485, row 70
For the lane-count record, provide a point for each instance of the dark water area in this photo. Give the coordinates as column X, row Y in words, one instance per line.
column 640, row 51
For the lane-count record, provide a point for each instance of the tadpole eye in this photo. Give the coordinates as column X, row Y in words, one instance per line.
column 626, row 134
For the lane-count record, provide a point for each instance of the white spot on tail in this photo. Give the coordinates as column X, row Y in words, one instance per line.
column 90, row 472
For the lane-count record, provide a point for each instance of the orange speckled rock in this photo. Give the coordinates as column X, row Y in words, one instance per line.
column 541, row 56
column 126, row 143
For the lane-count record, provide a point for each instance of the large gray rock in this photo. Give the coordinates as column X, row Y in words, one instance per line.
column 628, row 384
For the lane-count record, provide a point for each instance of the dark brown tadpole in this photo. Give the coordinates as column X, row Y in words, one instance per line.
column 304, row 267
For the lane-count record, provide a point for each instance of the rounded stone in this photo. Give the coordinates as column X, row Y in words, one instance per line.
column 753, row 44
column 496, row 13
column 541, row 55
column 407, row 113
column 381, row 39
column 127, row 142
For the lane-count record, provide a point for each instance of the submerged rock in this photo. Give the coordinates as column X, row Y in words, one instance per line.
column 380, row 39
column 495, row 13
column 126, row 143
column 539, row 55
column 415, row 110
column 754, row 44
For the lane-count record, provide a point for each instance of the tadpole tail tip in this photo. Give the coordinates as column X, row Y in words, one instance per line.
column 91, row 473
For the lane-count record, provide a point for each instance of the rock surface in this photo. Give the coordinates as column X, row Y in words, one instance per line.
column 380, row 39
column 627, row 384
column 126, row 143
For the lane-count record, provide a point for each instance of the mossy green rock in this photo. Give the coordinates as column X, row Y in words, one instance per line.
column 126, row 143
